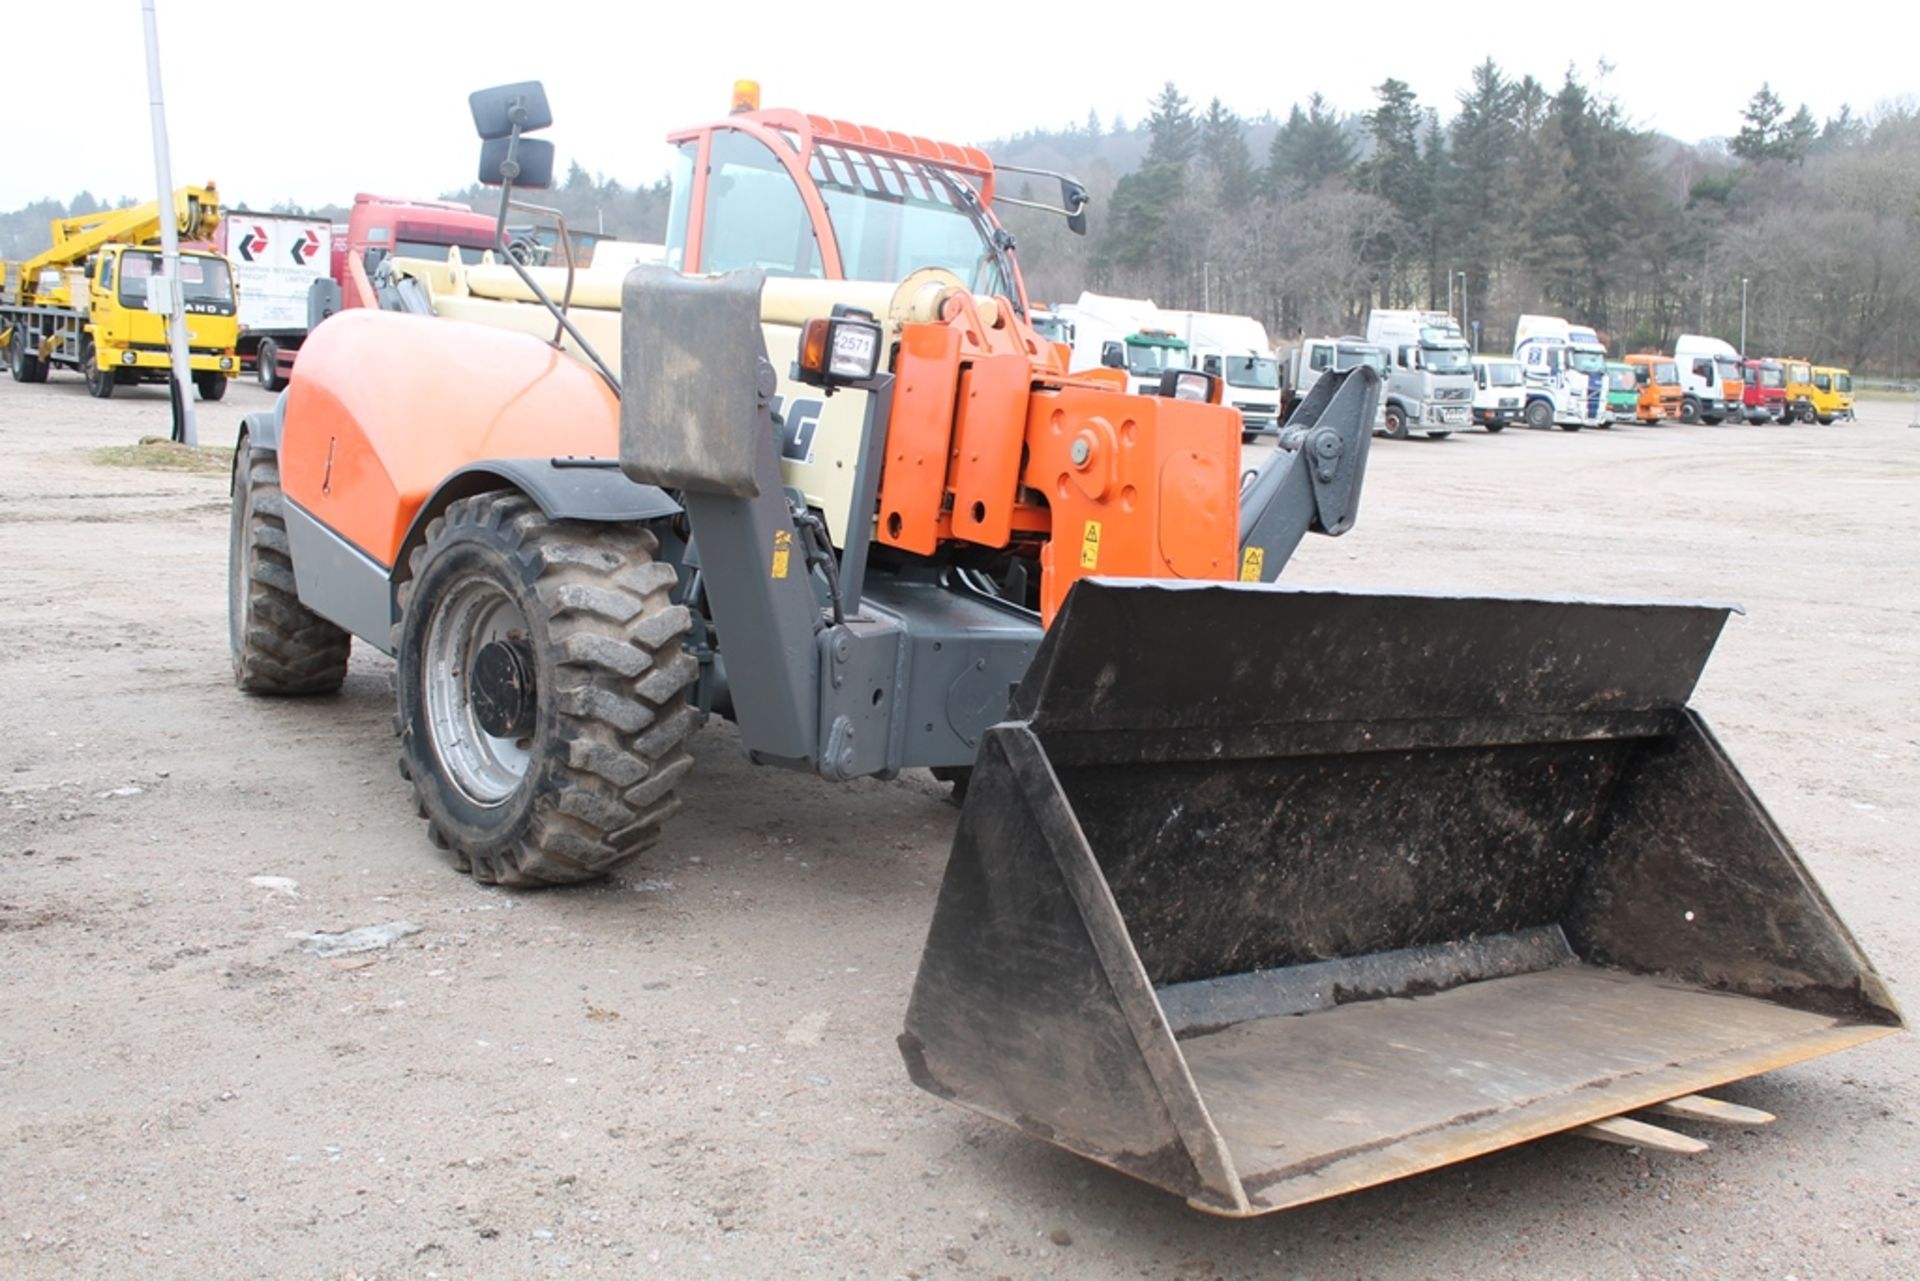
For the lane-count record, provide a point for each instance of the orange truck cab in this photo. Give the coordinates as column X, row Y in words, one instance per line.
column 1659, row 379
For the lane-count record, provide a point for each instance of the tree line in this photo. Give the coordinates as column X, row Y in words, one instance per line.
column 1526, row 199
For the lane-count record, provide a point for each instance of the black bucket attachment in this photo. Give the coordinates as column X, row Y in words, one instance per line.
column 1264, row 895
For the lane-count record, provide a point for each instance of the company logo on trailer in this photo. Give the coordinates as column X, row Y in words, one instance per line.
column 305, row 247
column 254, row 242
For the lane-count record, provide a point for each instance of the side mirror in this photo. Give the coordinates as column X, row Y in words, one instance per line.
column 531, row 160
column 1073, row 198
column 499, row 111
column 1113, row 355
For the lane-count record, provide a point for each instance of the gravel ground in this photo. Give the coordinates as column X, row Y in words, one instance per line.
column 691, row 1072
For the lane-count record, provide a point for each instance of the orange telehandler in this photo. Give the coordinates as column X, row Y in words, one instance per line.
column 1259, row 894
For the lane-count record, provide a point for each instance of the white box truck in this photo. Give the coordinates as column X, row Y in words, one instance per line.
column 1430, row 372
column 1566, row 373
column 276, row 258
column 1127, row 333
column 1236, row 350
column 1711, row 379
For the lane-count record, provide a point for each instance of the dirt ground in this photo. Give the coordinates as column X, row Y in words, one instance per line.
column 691, row 1072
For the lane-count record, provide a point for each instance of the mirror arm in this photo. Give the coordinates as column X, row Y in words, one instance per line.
column 509, row 170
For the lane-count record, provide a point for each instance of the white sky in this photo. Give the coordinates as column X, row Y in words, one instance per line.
column 311, row 102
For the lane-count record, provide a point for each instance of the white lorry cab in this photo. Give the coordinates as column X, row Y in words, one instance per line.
column 1566, row 374
column 1499, row 388
column 1430, row 372
column 1235, row 349
column 1303, row 363
column 1710, row 378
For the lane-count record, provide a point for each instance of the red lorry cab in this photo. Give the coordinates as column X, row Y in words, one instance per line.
column 1764, row 393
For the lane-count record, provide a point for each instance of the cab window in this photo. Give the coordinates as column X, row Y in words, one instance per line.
column 755, row 216
column 1322, row 358
column 106, row 273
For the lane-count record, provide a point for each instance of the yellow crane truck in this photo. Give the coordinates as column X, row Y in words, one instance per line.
column 87, row 302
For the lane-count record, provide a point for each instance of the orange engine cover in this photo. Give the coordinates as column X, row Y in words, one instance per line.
column 385, row 406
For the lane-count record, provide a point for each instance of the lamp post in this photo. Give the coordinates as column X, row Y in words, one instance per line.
column 180, row 375
column 1743, row 317
column 1463, row 296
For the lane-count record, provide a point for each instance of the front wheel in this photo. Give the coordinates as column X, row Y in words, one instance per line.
column 100, row 382
column 1438, row 435
column 1496, row 427
column 1712, row 420
column 542, row 691
column 1539, row 415
column 211, row 384
column 1826, row 420
column 1396, row 422
column 1569, row 426
column 1689, row 410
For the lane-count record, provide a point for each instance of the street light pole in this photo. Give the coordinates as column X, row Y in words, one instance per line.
column 180, row 374
column 1743, row 317
column 1463, row 298
column 1450, row 275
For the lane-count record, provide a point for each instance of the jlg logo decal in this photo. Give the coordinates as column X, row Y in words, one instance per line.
column 798, row 427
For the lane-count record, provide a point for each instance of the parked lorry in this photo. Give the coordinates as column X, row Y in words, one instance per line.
column 1305, row 362
column 87, row 302
column 1499, row 390
column 1623, row 392
column 1658, row 379
column 1566, row 370
column 276, row 259
column 1763, row 392
column 1712, row 384
column 1430, row 384
column 1128, row 334
column 1181, row 931
column 1832, row 399
column 377, row 228
column 1236, row 350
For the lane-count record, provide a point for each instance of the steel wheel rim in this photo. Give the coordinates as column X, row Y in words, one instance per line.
column 487, row 770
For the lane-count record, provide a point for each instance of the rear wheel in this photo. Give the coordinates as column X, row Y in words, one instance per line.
column 22, row 361
column 100, row 382
column 1539, row 415
column 279, row 645
column 1396, row 422
column 1438, row 435
column 211, row 384
column 267, row 365
column 542, row 691
column 1712, row 420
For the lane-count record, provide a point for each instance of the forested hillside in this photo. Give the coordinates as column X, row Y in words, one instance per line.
column 1546, row 199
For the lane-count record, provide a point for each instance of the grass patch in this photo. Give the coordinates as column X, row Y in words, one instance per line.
column 161, row 454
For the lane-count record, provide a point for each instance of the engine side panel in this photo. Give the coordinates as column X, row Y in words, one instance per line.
column 386, row 406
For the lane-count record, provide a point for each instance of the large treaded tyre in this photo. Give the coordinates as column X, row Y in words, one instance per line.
column 279, row 645
column 541, row 691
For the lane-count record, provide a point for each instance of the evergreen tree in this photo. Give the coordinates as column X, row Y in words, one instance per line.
column 1310, row 148
column 1223, row 145
column 1172, row 134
